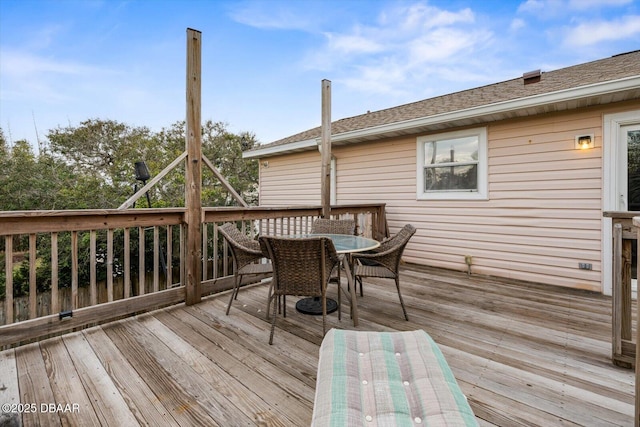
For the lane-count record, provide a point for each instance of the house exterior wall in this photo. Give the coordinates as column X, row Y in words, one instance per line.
column 542, row 218
column 293, row 179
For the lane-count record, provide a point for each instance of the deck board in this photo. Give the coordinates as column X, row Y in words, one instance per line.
column 34, row 386
column 64, row 381
column 9, row 390
column 523, row 353
column 144, row 404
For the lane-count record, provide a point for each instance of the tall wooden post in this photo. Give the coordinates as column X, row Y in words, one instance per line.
column 193, row 169
column 325, row 149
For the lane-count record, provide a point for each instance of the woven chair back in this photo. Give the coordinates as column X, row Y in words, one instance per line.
column 300, row 266
column 333, row 226
column 394, row 247
column 243, row 249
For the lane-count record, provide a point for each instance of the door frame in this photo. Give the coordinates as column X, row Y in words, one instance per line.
column 612, row 123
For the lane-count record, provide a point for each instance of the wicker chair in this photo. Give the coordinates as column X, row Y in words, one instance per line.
column 384, row 261
column 301, row 267
column 245, row 252
column 333, row 226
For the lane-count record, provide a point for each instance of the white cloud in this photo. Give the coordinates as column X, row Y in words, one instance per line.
column 590, row 33
column 18, row 64
column 383, row 78
column 30, row 76
column 347, row 44
column 400, row 49
column 421, row 16
column 273, row 15
column 540, row 6
column 442, row 44
column 517, row 24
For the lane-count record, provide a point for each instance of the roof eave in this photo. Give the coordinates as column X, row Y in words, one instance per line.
column 279, row 149
column 597, row 89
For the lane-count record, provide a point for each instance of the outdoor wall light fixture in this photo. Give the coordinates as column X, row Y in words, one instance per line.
column 584, row 142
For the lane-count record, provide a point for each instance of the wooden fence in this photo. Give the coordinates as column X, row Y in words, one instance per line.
column 123, row 244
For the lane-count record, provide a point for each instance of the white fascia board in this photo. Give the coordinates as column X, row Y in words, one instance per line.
column 276, row 149
column 596, row 89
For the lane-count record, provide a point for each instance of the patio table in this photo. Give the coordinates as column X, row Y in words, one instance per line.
column 345, row 244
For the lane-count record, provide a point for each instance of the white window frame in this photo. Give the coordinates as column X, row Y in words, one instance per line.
column 482, row 191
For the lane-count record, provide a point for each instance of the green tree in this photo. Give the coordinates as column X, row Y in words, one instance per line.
column 224, row 149
column 44, row 182
column 102, row 154
column 92, row 167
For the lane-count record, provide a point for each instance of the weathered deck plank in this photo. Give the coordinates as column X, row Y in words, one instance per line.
column 524, row 354
column 64, row 381
column 9, row 391
column 233, row 359
column 181, row 404
column 144, row 404
column 34, row 387
column 109, row 403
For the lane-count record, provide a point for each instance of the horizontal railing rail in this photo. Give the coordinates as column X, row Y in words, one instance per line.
column 61, row 270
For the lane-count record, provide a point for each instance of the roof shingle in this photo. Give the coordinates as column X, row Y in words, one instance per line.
column 603, row 70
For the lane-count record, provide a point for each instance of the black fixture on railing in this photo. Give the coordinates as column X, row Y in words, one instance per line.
column 65, row 315
column 142, row 174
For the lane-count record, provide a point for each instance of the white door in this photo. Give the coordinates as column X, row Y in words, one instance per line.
column 621, row 186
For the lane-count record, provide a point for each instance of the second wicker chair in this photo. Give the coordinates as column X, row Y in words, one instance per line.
column 301, row 267
column 384, row 261
column 245, row 252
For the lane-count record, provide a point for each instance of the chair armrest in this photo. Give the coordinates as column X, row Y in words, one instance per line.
column 373, row 255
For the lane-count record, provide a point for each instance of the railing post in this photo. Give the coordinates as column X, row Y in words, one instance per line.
column 617, row 292
column 325, row 187
column 193, row 170
column 636, row 223
column 8, row 262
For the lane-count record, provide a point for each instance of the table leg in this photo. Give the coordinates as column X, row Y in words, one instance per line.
column 352, row 290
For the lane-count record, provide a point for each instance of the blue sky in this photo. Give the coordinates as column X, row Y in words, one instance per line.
column 65, row 61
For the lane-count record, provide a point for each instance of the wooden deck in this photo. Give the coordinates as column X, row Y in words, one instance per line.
column 524, row 354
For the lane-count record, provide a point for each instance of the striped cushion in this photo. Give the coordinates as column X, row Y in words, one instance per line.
column 386, row 379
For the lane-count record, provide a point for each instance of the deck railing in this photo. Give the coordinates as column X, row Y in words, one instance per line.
column 62, row 270
column 624, row 234
column 636, row 224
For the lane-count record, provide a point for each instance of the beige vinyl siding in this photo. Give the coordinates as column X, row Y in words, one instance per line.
column 291, row 180
column 385, row 172
column 542, row 218
column 505, row 235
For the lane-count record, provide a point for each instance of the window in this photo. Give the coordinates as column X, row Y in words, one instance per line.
column 453, row 165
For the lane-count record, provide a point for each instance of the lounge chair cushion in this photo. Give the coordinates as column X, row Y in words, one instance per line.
column 386, row 379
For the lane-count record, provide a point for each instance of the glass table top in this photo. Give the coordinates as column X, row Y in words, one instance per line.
column 345, row 243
